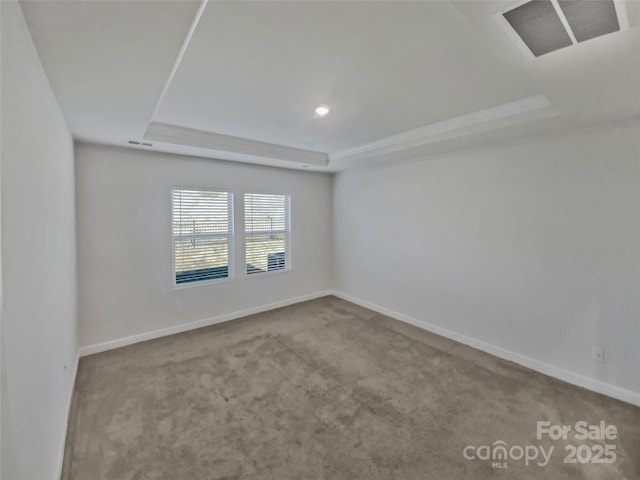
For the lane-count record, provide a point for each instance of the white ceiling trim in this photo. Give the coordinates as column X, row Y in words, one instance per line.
column 527, row 109
column 181, row 53
column 163, row 132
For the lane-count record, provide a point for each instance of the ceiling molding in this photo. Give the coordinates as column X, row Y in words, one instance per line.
column 173, row 134
column 245, row 69
column 527, row 109
column 183, row 49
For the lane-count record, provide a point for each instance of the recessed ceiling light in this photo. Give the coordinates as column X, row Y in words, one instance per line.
column 322, row 110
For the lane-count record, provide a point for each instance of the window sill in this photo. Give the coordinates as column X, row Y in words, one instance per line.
column 266, row 274
column 201, row 283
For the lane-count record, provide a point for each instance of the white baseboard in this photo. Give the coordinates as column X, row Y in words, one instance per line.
column 542, row 367
column 537, row 365
column 184, row 327
column 68, row 417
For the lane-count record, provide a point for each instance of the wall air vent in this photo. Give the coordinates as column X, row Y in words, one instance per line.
column 549, row 25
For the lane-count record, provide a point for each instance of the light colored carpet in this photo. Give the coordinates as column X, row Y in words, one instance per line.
column 325, row 390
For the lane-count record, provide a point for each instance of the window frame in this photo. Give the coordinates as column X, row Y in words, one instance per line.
column 288, row 246
column 230, row 239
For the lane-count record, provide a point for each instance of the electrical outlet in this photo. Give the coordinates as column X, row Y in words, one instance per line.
column 597, row 354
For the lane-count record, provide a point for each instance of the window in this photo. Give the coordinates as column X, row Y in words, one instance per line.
column 202, row 234
column 267, row 229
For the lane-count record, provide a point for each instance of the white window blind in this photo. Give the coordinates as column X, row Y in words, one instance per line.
column 267, row 230
column 202, row 234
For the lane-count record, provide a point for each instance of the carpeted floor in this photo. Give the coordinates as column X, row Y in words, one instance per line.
column 329, row 390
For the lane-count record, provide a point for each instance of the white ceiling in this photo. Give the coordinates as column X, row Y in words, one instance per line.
column 240, row 80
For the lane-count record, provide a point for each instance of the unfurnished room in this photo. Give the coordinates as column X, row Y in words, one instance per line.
column 320, row 240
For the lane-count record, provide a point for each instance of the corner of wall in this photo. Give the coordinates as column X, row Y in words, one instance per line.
column 43, row 162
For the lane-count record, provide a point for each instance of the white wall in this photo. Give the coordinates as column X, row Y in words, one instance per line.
column 39, row 346
column 530, row 247
column 125, row 250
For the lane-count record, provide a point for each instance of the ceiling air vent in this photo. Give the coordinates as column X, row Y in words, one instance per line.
column 549, row 25
column 590, row 19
